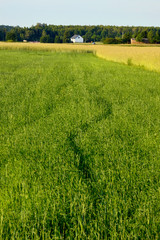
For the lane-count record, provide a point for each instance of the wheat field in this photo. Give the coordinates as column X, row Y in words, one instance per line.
column 147, row 56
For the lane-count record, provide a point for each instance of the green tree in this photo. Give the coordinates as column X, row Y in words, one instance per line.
column 57, row 39
column 30, row 35
column 104, row 33
column 144, row 34
column 45, row 39
column 157, row 37
column 150, row 36
column 44, row 33
column 141, row 35
column 94, row 37
column 90, row 33
column 11, row 36
column 127, row 37
column 88, row 37
column 66, row 37
column 2, row 34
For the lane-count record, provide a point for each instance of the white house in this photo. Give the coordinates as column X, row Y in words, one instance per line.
column 77, row 39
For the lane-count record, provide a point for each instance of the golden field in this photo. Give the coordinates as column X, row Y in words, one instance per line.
column 147, row 56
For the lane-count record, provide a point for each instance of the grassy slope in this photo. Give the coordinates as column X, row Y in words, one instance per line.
column 80, row 148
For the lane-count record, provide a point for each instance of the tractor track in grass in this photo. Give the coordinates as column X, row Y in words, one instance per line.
column 85, row 165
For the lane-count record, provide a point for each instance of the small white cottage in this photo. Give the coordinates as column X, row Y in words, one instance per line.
column 77, row 39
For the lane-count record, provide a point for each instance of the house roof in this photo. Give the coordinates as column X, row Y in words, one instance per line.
column 75, row 36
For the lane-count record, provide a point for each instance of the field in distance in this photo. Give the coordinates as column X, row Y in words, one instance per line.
column 147, row 56
column 79, row 147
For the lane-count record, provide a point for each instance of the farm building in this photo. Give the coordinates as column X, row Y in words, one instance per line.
column 144, row 40
column 77, row 39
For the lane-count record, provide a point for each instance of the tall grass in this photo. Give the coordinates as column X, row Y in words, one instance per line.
column 79, row 148
column 148, row 56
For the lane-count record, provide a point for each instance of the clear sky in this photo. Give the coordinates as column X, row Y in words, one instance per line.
column 80, row 12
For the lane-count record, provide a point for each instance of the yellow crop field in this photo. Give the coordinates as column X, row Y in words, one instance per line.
column 148, row 56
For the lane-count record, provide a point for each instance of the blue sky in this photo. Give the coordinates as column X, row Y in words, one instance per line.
column 80, row 12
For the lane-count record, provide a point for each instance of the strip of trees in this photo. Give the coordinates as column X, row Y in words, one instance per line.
column 62, row 34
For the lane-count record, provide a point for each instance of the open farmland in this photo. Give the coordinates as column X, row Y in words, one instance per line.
column 147, row 56
column 79, row 147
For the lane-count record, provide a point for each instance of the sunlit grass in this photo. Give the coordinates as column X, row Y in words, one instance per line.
column 147, row 56
column 79, row 147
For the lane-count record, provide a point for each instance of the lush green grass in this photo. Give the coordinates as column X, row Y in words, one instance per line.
column 79, row 148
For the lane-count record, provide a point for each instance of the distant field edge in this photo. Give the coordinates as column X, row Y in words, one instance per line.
column 144, row 57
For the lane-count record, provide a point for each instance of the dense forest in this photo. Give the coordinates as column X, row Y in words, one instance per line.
column 62, row 34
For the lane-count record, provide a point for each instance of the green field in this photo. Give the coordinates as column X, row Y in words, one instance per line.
column 80, row 148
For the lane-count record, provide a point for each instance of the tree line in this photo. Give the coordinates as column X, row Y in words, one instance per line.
column 62, row 34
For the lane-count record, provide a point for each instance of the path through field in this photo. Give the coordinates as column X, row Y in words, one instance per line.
column 79, row 148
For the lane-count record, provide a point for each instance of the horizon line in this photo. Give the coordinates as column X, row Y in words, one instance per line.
column 79, row 25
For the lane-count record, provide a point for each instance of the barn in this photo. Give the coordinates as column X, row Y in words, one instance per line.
column 144, row 40
column 77, row 39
